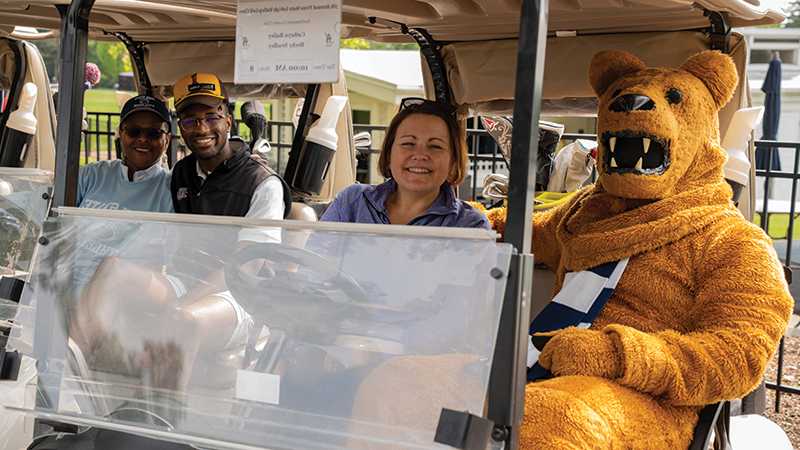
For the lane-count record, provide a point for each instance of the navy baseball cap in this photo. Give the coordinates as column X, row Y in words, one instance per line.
column 145, row 103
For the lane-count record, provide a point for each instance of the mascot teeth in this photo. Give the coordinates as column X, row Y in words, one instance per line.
column 635, row 152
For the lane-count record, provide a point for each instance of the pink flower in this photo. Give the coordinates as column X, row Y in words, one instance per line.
column 92, row 73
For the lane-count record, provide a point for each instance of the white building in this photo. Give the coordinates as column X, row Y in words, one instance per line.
column 763, row 43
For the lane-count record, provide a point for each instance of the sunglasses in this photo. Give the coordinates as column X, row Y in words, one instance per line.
column 211, row 123
column 411, row 102
column 151, row 133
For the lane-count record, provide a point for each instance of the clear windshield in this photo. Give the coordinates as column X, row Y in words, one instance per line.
column 311, row 335
column 23, row 206
column 24, row 200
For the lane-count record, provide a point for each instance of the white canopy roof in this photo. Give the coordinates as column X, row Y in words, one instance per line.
column 445, row 20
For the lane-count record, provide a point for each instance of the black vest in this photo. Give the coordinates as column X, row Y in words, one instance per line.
column 228, row 189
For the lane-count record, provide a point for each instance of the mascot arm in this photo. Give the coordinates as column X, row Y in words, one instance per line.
column 544, row 243
column 741, row 309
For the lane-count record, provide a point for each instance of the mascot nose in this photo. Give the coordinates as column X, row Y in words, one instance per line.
column 632, row 102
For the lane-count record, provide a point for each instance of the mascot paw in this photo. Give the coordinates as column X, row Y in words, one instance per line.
column 575, row 351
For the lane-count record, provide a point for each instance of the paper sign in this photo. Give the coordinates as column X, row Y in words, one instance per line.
column 287, row 41
column 258, row 387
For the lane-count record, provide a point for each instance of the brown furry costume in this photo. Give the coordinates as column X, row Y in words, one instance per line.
column 702, row 304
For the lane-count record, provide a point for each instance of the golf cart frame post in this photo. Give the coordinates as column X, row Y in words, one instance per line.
column 507, row 381
column 74, row 41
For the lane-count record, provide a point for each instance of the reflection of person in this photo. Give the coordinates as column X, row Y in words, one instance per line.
column 136, row 182
column 220, row 177
column 424, row 155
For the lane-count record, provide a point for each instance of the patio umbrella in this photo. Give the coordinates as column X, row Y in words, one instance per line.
column 772, row 113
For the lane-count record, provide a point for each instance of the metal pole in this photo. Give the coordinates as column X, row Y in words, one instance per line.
column 507, row 381
column 74, row 39
column 172, row 150
column 527, row 104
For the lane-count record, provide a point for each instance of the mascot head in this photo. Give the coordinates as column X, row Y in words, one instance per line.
column 658, row 128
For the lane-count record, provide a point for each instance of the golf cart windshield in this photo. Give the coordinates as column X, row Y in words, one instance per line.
column 346, row 306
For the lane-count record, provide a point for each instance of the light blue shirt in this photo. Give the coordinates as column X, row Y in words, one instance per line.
column 105, row 185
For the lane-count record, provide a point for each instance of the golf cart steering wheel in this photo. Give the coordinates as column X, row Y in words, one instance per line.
column 283, row 299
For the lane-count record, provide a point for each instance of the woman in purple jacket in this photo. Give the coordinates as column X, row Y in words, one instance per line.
column 424, row 155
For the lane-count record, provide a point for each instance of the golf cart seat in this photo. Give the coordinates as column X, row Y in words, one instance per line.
column 21, row 63
column 743, row 432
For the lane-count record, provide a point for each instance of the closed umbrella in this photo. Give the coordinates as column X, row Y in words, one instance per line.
column 772, row 114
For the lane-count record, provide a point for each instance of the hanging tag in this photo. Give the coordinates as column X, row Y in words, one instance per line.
column 287, row 41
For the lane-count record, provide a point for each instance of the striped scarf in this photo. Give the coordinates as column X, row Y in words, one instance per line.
column 578, row 303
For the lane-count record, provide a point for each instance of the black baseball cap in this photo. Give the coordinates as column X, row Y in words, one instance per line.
column 145, row 103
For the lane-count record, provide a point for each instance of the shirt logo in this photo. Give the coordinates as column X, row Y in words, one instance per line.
column 182, row 193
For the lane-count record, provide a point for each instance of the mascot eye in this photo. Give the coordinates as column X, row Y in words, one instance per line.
column 616, row 93
column 674, row 96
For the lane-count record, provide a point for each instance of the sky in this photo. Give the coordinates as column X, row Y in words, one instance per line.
column 775, row 4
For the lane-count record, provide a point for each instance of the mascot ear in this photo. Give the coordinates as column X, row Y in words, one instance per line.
column 608, row 65
column 716, row 71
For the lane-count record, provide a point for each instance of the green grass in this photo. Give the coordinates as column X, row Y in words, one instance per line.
column 105, row 100
column 778, row 226
column 101, row 100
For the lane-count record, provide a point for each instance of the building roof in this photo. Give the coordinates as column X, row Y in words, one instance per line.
column 784, row 40
column 401, row 68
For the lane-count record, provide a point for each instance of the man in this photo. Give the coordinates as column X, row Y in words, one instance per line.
column 220, row 177
column 193, row 306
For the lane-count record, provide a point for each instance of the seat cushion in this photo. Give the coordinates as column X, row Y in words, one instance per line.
column 754, row 432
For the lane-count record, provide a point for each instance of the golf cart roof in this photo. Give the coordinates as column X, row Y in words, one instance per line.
column 445, row 20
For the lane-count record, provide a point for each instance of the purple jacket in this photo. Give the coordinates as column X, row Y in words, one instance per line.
column 365, row 203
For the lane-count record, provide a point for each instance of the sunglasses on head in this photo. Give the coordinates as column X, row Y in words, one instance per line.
column 411, row 102
column 134, row 132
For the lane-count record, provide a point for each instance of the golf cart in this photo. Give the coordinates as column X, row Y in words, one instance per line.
column 361, row 291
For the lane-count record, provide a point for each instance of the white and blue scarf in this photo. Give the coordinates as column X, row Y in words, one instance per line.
column 578, row 304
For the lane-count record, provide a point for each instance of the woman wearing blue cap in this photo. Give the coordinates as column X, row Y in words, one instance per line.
column 137, row 182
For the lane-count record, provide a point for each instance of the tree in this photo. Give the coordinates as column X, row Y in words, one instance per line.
column 49, row 49
column 363, row 44
column 111, row 58
column 792, row 15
